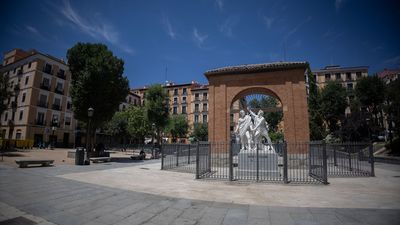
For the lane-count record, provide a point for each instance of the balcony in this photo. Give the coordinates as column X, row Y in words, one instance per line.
column 61, row 75
column 205, row 110
column 45, row 86
column 56, row 107
column 59, row 91
column 42, row 104
column 47, row 70
column 40, row 122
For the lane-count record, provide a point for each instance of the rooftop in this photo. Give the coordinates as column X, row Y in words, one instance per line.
column 256, row 68
column 339, row 68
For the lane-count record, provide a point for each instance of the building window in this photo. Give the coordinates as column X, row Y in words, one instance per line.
column 175, row 110
column 57, row 104
column 205, row 107
column 69, row 105
column 21, row 114
column 349, row 86
column 26, row 80
column 183, row 109
column 42, row 101
column 55, row 120
column 18, row 134
column 196, row 96
column 196, row 107
column 67, row 121
column 183, row 99
column 175, row 100
column 129, row 99
column 327, row 76
column 6, row 116
column 196, row 118
column 30, row 64
column 23, row 97
column 204, row 118
column 204, row 96
column 15, row 70
column 358, row 75
column 134, row 102
column 175, row 91
column 348, row 76
column 338, row 76
column 40, row 119
column 45, row 84
column 47, row 68
column 184, row 91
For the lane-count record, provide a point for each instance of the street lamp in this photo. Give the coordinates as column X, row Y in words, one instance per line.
column 54, row 139
column 88, row 134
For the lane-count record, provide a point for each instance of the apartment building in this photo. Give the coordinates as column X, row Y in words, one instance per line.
column 131, row 99
column 347, row 76
column 187, row 99
column 40, row 108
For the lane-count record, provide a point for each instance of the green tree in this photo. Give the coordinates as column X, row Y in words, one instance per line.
column 370, row 91
column 273, row 118
column 118, row 125
column 200, row 132
column 177, row 127
column 317, row 130
column 138, row 125
column 156, row 105
column 393, row 108
column 5, row 92
column 97, row 82
column 333, row 105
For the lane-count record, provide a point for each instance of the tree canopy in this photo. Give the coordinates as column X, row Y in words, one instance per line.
column 138, row 125
column 177, row 126
column 317, row 131
column 4, row 92
column 97, row 82
column 333, row 104
column 200, row 132
column 156, row 105
column 273, row 118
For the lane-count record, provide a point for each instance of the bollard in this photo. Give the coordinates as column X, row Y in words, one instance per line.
column 197, row 161
column 371, row 159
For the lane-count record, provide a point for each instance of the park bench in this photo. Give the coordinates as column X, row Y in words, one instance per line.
column 100, row 159
column 23, row 163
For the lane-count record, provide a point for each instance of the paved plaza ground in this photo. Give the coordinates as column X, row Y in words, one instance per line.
column 138, row 192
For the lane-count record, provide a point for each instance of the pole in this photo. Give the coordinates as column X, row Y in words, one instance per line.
column 162, row 156
column 285, row 163
column 372, row 159
column 230, row 162
column 189, row 155
column 324, row 164
column 197, row 161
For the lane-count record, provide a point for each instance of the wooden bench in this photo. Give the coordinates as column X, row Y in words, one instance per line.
column 100, row 159
column 23, row 163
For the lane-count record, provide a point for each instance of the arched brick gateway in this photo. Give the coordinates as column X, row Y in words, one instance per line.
column 283, row 80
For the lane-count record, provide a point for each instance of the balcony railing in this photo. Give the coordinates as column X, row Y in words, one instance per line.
column 61, row 75
column 45, row 86
column 56, row 107
column 42, row 104
column 40, row 122
column 59, row 91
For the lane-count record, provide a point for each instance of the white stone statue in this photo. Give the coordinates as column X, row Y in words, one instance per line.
column 243, row 128
column 260, row 130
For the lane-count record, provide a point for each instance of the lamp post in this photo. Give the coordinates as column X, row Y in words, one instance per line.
column 53, row 129
column 88, row 130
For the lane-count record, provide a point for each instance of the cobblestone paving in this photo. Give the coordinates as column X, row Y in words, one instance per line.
column 37, row 194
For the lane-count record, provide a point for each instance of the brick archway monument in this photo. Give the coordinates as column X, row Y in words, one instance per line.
column 283, row 80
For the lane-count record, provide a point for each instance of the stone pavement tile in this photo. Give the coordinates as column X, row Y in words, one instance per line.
column 98, row 212
column 137, row 218
column 258, row 221
column 281, row 218
column 181, row 204
column 183, row 221
column 326, row 218
column 166, row 216
column 347, row 216
column 258, row 212
column 303, row 218
column 380, row 216
column 108, row 218
column 158, row 207
column 236, row 216
column 213, row 216
column 64, row 218
column 131, row 209
column 194, row 212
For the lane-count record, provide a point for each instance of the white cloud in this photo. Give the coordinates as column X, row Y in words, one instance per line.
column 220, row 4
column 227, row 27
column 32, row 30
column 268, row 21
column 168, row 27
column 96, row 29
column 394, row 61
column 199, row 38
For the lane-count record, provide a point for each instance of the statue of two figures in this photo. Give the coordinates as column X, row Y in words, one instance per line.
column 251, row 129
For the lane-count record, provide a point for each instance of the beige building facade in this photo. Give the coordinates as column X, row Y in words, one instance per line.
column 40, row 108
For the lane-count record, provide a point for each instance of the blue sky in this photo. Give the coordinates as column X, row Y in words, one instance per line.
column 190, row 37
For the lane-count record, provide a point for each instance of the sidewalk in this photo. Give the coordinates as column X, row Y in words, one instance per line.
column 142, row 194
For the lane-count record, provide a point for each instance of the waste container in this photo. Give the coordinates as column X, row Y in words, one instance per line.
column 80, row 156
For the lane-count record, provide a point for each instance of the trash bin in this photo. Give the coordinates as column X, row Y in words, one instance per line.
column 80, row 156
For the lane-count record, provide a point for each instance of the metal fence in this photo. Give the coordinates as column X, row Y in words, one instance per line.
column 309, row 162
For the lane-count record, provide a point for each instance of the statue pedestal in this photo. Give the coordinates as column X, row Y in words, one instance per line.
column 267, row 164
